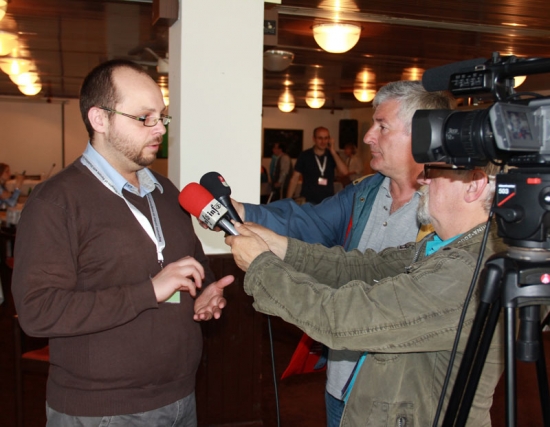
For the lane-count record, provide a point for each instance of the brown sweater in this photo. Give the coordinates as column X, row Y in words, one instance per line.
column 82, row 277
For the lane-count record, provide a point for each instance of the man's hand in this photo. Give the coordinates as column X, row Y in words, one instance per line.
column 246, row 246
column 185, row 274
column 210, row 302
column 277, row 243
column 331, row 146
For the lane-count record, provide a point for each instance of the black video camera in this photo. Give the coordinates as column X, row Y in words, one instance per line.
column 515, row 130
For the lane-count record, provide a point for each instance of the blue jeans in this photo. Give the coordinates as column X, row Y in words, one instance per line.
column 178, row 414
column 335, row 409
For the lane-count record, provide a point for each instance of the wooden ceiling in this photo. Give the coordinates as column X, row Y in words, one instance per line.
column 66, row 38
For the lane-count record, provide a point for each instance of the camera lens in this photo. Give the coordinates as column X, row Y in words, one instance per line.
column 469, row 136
column 463, row 138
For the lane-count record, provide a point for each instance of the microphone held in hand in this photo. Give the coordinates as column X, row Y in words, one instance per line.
column 200, row 203
column 215, row 183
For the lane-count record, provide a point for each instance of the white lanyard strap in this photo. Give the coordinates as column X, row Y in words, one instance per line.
column 324, row 166
column 154, row 233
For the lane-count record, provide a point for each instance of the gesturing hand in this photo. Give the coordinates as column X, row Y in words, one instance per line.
column 211, row 301
column 185, row 274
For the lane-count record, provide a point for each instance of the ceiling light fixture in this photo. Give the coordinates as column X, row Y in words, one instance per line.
column 165, row 95
column 32, row 89
column 412, row 73
column 364, row 95
column 363, row 89
column 3, row 7
column 24, row 79
column 315, row 98
column 8, row 42
column 277, row 60
column 286, row 101
column 336, row 37
column 13, row 65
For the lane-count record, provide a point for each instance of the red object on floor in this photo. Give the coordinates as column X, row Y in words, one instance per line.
column 305, row 357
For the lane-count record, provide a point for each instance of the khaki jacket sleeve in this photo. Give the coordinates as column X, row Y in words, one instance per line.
column 365, row 301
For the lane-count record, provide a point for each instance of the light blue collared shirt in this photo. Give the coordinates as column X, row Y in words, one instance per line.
column 146, row 179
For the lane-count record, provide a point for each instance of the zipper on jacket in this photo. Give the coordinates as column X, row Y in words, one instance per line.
column 419, row 246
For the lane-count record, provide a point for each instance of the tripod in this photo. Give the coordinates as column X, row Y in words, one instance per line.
column 517, row 279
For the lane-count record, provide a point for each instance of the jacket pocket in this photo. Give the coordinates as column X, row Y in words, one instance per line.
column 400, row 414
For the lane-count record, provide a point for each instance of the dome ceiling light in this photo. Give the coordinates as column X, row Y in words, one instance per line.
column 336, row 37
column 277, row 60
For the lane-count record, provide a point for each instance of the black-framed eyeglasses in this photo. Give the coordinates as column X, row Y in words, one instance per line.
column 430, row 167
column 148, row 121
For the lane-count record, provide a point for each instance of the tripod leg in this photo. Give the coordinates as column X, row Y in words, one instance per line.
column 543, row 383
column 479, row 363
column 489, row 297
column 510, row 366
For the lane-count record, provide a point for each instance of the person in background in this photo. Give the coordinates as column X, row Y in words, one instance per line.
column 265, row 185
column 108, row 267
column 9, row 198
column 373, row 213
column 356, row 169
column 402, row 305
column 282, row 172
column 317, row 166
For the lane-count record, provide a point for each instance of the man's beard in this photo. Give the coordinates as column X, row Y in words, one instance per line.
column 133, row 153
column 423, row 212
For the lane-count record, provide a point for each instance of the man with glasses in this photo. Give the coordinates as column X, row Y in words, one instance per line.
column 108, row 267
column 401, row 306
column 375, row 213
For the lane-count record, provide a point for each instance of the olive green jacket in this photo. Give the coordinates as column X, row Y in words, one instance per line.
column 399, row 305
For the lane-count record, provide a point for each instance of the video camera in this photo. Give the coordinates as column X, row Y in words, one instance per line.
column 514, row 131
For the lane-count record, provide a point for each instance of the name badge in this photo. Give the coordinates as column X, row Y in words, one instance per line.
column 322, row 181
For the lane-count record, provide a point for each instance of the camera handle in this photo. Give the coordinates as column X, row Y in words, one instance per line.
column 514, row 279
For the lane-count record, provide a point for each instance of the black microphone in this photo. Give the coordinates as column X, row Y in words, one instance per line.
column 438, row 78
column 215, row 183
column 198, row 201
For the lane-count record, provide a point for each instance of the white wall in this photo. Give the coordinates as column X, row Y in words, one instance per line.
column 216, row 99
column 37, row 134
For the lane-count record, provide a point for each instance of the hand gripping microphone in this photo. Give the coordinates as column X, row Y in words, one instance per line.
column 200, row 203
column 215, row 183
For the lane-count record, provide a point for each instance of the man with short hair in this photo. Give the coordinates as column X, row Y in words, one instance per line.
column 374, row 213
column 108, row 267
column 401, row 305
column 317, row 166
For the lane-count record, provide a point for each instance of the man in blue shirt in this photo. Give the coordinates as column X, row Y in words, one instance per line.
column 374, row 213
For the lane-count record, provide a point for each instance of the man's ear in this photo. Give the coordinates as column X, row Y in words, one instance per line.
column 98, row 119
column 476, row 187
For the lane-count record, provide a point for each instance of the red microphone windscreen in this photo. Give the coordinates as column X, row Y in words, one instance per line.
column 194, row 197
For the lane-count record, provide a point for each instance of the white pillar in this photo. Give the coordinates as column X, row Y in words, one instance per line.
column 216, row 98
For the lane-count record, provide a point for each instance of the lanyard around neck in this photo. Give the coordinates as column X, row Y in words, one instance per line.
column 154, row 233
column 324, row 166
